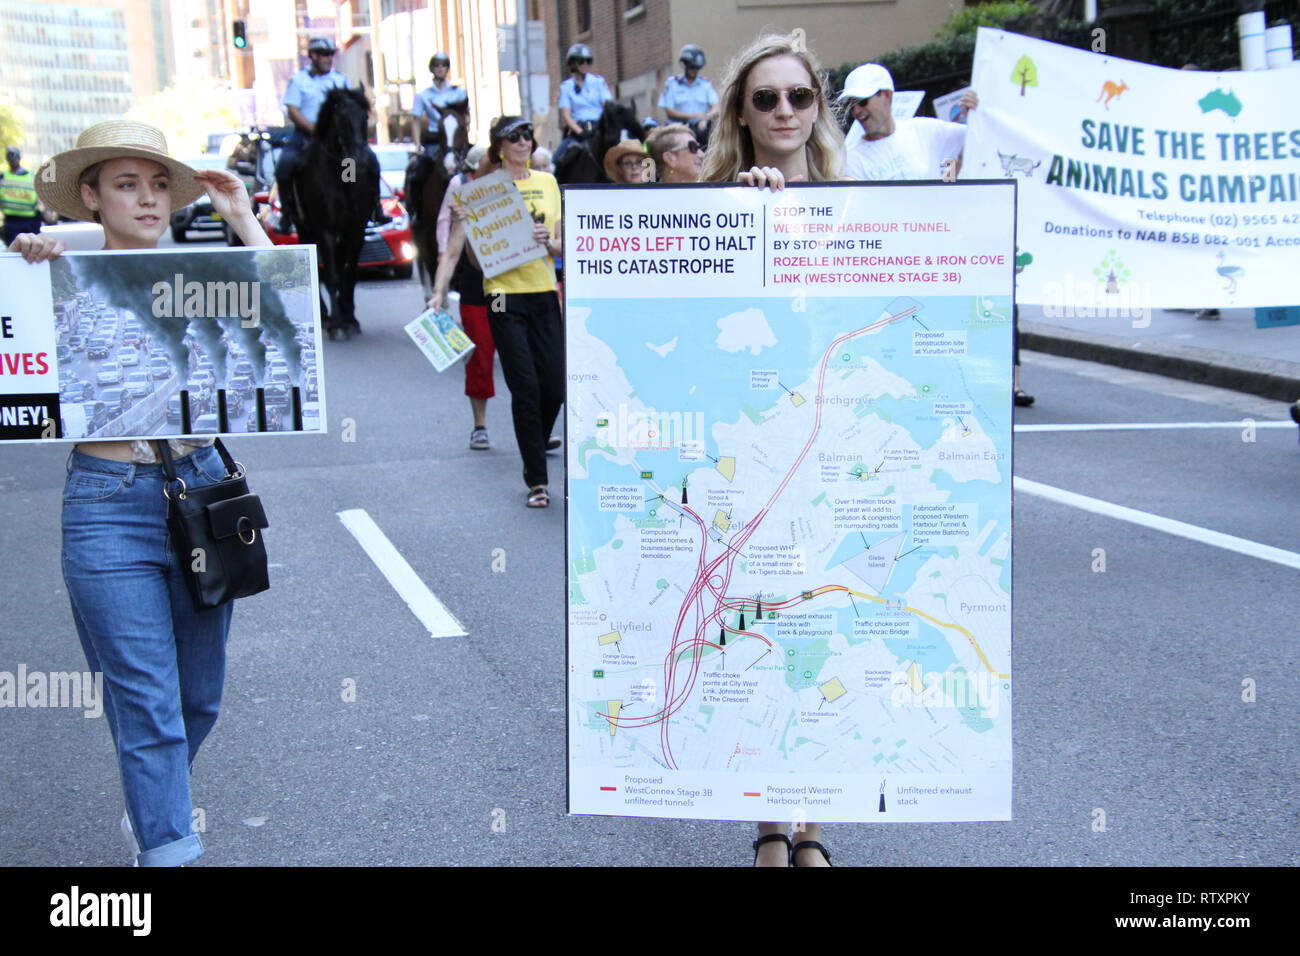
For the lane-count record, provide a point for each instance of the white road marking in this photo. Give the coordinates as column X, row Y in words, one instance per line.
column 1217, row 539
column 423, row 603
column 1140, row 426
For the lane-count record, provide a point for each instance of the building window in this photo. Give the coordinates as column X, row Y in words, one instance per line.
column 583, row 11
column 634, row 8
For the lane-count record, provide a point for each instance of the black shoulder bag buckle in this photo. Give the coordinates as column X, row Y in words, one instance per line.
column 216, row 533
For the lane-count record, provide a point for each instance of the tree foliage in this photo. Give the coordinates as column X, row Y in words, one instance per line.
column 187, row 112
column 13, row 124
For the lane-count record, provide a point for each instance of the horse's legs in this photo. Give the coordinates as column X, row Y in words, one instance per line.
column 349, row 267
column 330, row 279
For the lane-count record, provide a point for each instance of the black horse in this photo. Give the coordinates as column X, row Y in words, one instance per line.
column 586, row 164
column 335, row 193
column 427, row 176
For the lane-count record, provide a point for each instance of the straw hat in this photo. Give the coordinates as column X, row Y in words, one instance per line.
column 629, row 147
column 58, row 180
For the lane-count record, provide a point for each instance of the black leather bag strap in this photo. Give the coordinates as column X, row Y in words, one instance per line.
column 169, row 466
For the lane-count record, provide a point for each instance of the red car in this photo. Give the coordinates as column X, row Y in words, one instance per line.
column 388, row 245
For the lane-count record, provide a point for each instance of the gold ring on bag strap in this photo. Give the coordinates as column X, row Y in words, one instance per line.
column 167, row 494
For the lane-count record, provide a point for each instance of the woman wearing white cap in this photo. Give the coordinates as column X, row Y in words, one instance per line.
column 163, row 662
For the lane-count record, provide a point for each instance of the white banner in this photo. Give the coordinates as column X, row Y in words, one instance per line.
column 1140, row 186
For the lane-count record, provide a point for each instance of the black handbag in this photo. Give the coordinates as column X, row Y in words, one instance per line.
column 215, row 531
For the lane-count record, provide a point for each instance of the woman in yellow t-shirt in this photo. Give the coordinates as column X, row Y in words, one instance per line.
column 523, row 306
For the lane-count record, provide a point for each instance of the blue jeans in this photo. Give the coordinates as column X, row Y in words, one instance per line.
column 163, row 663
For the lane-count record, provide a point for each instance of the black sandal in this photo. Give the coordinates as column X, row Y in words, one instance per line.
column 1023, row 398
column 769, row 839
column 809, row 845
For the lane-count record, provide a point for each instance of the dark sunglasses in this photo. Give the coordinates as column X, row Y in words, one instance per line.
column 576, row 60
column 692, row 145
column 515, row 135
column 766, row 99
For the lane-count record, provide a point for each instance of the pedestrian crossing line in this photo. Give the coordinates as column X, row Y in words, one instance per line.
column 424, row 604
column 1141, row 426
column 1216, row 539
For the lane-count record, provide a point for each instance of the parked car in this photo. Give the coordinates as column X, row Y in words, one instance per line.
column 393, row 160
column 110, row 373
column 387, row 245
column 199, row 215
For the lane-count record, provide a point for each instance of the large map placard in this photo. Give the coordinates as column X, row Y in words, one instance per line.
column 102, row 346
column 1140, row 186
column 789, row 501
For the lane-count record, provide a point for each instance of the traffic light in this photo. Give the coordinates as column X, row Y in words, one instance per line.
column 240, row 32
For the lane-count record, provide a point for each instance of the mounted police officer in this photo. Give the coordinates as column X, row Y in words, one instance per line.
column 439, row 111
column 303, row 99
column 441, row 104
column 690, row 98
column 18, row 198
column 582, row 99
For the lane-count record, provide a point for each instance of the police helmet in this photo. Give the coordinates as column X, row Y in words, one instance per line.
column 579, row 51
column 693, row 56
column 320, row 45
column 439, row 57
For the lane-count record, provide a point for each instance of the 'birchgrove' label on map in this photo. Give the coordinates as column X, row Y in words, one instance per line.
column 776, row 559
column 936, row 524
column 867, row 514
column 629, row 498
column 727, row 689
column 811, row 624
column 938, row 343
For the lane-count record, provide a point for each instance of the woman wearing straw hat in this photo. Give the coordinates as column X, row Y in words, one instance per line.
column 163, row 662
column 626, row 163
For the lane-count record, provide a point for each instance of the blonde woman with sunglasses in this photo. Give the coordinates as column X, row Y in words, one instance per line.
column 776, row 128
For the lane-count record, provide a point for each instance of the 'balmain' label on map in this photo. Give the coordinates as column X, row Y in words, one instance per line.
column 626, row 498
column 938, row 343
column 867, row 514
column 939, row 524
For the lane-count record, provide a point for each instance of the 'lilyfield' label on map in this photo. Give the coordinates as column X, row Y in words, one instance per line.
column 943, row 524
column 938, row 342
column 867, row 514
column 625, row 498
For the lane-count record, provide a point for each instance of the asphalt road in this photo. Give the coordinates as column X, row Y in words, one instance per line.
column 350, row 736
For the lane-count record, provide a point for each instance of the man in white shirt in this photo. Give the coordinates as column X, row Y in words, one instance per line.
column 912, row 149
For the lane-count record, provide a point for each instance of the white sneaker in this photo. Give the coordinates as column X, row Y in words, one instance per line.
column 131, row 843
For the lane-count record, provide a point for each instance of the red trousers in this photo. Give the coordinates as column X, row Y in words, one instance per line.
column 478, row 367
